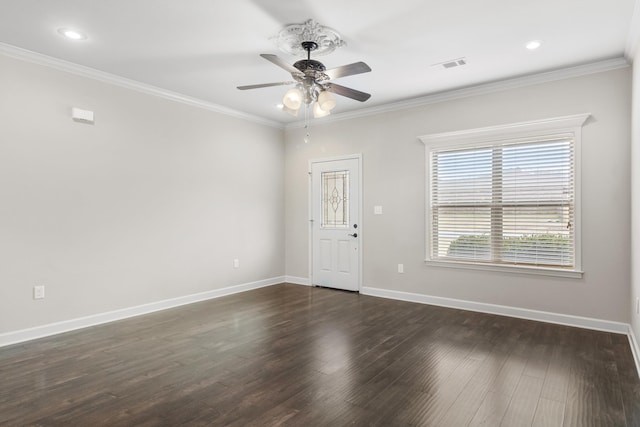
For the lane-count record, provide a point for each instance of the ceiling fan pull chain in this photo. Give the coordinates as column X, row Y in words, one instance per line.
column 307, row 133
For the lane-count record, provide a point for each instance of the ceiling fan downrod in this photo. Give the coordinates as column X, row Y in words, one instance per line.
column 309, row 46
column 310, row 66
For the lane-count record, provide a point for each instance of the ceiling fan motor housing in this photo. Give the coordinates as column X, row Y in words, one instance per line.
column 309, row 64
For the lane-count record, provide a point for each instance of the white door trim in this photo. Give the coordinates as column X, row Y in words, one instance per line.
column 358, row 157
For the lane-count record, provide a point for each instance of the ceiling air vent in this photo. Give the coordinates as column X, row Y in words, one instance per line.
column 451, row 63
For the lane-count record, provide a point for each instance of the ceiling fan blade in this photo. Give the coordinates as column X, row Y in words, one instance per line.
column 265, row 85
column 348, row 92
column 280, row 63
column 348, row 70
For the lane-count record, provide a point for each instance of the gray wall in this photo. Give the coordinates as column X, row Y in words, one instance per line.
column 153, row 202
column 635, row 199
column 157, row 198
column 393, row 169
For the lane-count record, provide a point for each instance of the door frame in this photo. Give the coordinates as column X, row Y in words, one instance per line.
column 357, row 157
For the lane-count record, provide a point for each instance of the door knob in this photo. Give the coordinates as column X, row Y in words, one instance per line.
column 354, row 235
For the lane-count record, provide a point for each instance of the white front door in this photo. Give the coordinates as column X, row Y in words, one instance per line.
column 335, row 223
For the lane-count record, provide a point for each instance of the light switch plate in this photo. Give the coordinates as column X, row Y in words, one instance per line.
column 38, row 292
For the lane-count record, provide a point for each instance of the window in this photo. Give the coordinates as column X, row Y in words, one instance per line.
column 335, row 199
column 506, row 197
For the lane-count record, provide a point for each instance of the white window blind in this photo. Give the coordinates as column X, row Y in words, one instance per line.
column 507, row 202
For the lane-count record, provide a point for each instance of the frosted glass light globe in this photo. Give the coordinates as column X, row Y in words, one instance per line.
column 319, row 111
column 293, row 98
column 326, row 100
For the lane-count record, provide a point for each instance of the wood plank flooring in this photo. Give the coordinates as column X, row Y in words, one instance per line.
column 298, row 356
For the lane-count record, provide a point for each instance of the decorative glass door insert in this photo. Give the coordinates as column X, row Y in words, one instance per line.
column 335, row 199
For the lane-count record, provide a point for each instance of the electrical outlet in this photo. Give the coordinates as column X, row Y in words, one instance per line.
column 400, row 268
column 38, row 292
column 236, row 263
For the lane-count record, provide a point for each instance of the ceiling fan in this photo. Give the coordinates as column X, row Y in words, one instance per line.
column 313, row 85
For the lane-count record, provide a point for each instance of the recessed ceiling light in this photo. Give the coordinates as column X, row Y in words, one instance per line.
column 534, row 44
column 280, row 106
column 72, row 34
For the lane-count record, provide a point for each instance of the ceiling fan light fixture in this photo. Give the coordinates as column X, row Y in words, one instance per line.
column 293, row 98
column 292, row 111
column 310, row 76
column 326, row 101
column 318, row 111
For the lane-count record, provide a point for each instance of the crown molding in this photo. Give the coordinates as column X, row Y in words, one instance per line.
column 92, row 73
column 633, row 38
column 481, row 89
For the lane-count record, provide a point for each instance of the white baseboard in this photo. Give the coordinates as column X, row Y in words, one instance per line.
column 297, row 280
column 23, row 335
column 15, row 337
column 635, row 350
column 522, row 313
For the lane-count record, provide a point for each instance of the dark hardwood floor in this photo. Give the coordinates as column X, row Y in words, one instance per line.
column 300, row 356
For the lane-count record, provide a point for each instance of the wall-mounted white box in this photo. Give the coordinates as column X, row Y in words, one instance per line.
column 82, row 116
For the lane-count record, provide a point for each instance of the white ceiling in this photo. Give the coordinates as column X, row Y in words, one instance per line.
column 205, row 48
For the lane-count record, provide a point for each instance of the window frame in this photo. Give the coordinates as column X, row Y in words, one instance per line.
column 494, row 135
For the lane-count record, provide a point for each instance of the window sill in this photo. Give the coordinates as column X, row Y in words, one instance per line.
column 536, row 271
